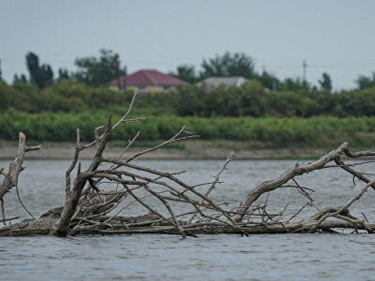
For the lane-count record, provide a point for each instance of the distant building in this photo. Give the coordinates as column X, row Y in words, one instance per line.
column 146, row 81
column 214, row 82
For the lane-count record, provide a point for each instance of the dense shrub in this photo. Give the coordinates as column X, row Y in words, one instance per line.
column 251, row 99
column 246, row 113
column 316, row 131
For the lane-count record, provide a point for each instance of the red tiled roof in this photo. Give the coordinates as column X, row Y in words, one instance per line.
column 147, row 78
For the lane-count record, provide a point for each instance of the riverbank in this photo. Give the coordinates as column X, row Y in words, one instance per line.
column 193, row 149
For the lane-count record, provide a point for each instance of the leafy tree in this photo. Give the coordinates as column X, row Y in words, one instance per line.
column 224, row 101
column 63, row 74
column 42, row 76
column 290, row 104
column 5, row 95
column 253, row 101
column 295, row 85
column 24, row 96
column 47, row 74
column 364, row 82
column 326, row 82
column 268, row 80
column 186, row 73
column 32, row 63
column 357, row 103
column 99, row 71
column 21, row 79
column 190, row 101
column 328, row 103
column 237, row 64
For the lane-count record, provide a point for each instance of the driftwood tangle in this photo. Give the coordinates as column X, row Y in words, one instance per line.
column 99, row 199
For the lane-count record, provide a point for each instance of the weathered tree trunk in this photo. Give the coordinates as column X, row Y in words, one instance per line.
column 99, row 199
column 61, row 228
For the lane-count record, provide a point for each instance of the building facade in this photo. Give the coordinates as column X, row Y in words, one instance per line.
column 146, row 81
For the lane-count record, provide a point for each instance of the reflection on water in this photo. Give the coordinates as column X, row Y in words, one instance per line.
column 163, row 257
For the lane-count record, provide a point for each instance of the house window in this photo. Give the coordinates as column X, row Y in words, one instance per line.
column 165, row 89
column 142, row 90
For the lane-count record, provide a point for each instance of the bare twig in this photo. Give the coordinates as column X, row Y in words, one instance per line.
column 173, row 139
column 15, row 168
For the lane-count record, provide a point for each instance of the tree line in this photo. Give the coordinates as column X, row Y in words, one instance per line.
column 98, row 71
column 246, row 113
column 91, row 71
column 251, row 99
column 51, row 109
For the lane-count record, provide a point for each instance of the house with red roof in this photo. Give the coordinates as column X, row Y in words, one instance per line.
column 146, row 81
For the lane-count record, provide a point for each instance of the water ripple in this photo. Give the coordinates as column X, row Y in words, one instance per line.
column 168, row 257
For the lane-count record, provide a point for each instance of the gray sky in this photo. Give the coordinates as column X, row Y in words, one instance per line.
column 334, row 36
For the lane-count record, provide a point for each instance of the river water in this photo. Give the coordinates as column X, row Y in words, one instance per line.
column 208, row 257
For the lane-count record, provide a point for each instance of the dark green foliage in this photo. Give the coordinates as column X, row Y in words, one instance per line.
column 263, row 110
column 186, row 73
column 365, row 82
column 63, row 74
column 5, row 95
column 190, row 101
column 20, row 79
column 251, row 99
column 24, row 97
column 228, row 64
column 289, row 104
column 326, row 82
column 246, row 113
column 275, row 132
column 62, row 96
column 295, row 85
column 98, row 71
column 358, row 103
column 42, row 76
column 268, row 81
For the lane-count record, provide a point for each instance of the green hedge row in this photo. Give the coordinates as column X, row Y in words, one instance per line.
column 249, row 100
column 316, row 131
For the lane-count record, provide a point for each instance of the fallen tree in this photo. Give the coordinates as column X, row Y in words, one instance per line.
column 102, row 198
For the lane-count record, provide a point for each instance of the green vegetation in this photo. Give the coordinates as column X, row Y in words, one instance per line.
column 292, row 113
column 248, row 113
column 270, row 131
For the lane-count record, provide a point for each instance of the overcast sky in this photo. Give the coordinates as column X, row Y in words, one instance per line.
column 334, row 36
